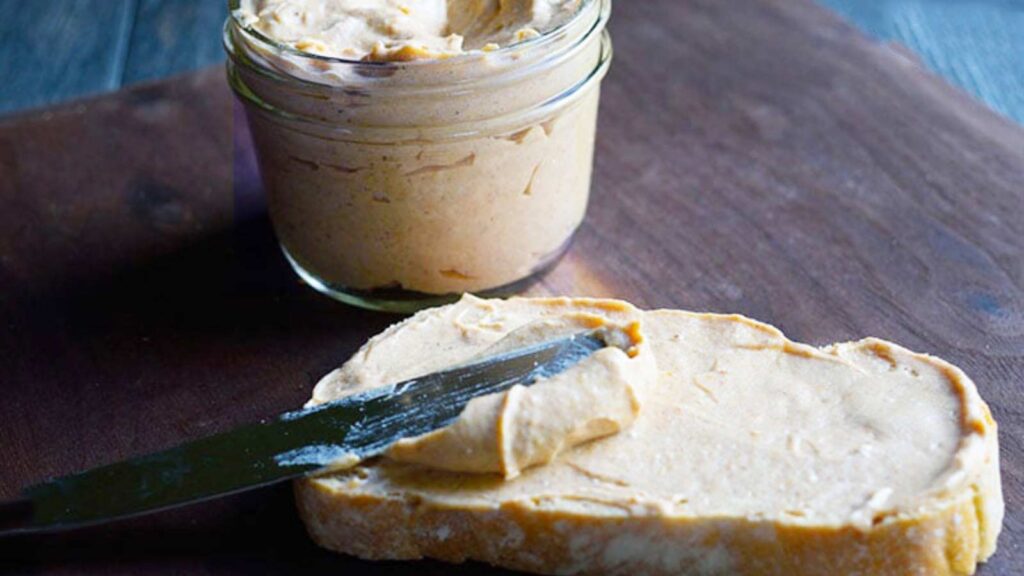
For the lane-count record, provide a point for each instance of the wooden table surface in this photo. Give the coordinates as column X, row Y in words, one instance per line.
column 763, row 159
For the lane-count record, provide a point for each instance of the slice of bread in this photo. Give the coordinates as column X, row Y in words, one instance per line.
column 751, row 454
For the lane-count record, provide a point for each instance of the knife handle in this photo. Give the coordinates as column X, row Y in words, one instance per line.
column 15, row 516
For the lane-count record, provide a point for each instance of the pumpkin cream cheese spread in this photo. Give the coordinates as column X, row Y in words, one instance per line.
column 507, row 432
column 750, row 453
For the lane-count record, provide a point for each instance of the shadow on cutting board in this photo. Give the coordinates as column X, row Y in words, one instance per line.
column 146, row 303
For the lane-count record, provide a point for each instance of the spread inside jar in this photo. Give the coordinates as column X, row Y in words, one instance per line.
column 399, row 30
column 400, row 185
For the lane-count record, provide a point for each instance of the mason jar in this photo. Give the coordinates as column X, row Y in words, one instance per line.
column 401, row 185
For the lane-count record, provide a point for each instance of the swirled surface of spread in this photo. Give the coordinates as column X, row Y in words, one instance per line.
column 398, row 30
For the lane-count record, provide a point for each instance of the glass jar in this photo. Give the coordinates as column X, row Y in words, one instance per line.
column 401, row 185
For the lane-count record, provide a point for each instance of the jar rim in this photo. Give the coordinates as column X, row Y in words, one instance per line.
column 453, row 131
column 545, row 38
column 593, row 14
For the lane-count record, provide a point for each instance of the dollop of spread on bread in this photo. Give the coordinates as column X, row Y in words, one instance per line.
column 525, row 426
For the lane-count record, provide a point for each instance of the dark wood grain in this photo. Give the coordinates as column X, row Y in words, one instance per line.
column 54, row 50
column 173, row 36
column 762, row 159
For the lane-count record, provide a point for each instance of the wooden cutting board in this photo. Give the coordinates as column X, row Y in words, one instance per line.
column 756, row 157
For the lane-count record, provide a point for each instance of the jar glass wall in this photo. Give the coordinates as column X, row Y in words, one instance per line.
column 401, row 185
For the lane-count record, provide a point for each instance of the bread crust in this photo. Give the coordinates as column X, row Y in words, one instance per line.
column 949, row 539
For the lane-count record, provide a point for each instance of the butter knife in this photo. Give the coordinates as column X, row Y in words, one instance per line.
column 295, row 444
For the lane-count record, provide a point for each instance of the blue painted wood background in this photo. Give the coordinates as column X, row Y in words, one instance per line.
column 54, row 50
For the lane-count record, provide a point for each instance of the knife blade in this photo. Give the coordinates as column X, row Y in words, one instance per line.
column 295, row 444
